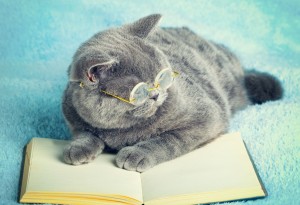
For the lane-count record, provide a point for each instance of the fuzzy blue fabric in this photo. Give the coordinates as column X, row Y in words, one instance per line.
column 38, row 39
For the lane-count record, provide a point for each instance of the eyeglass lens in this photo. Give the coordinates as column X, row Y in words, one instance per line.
column 140, row 92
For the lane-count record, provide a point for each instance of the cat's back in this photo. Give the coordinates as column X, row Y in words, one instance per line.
column 182, row 45
column 206, row 65
column 187, row 37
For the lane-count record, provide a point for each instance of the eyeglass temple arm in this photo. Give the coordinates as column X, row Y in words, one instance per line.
column 115, row 96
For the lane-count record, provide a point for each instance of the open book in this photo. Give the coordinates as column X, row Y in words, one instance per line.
column 219, row 171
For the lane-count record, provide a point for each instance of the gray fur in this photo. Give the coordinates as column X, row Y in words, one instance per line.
column 193, row 111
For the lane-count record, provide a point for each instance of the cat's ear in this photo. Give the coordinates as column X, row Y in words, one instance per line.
column 98, row 70
column 144, row 26
column 90, row 68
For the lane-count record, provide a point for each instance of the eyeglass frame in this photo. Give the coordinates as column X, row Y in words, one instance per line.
column 156, row 87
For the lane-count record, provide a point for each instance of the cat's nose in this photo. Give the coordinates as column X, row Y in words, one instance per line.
column 154, row 97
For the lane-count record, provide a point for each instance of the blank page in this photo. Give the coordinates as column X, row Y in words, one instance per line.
column 48, row 173
column 221, row 165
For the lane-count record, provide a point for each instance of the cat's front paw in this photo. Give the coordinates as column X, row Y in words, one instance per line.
column 78, row 152
column 135, row 158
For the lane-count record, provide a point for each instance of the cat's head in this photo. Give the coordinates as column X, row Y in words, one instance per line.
column 115, row 61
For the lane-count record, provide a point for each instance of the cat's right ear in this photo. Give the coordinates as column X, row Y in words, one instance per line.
column 98, row 71
column 144, row 26
column 90, row 69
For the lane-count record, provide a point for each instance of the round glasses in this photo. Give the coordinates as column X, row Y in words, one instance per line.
column 142, row 91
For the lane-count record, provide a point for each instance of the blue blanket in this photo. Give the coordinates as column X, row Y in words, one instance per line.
column 38, row 39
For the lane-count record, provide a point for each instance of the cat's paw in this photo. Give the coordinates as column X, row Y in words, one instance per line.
column 135, row 158
column 78, row 152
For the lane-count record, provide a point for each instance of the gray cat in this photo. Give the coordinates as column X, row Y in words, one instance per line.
column 153, row 94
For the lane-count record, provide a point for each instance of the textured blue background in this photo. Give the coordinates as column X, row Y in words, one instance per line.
column 38, row 39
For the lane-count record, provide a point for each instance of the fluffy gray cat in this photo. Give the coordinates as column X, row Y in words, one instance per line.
column 123, row 94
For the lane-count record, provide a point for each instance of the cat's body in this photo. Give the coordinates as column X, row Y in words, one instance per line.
column 197, row 108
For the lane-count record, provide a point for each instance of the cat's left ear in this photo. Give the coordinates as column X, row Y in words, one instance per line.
column 144, row 26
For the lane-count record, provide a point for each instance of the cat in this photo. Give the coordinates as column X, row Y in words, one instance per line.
column 193, row 109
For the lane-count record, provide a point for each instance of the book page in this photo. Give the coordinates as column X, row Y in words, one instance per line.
column 48, row 173
column 221, row 165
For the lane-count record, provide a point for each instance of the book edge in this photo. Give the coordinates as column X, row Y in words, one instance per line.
column 26, row 168
column 77, row 198
column 256, row 172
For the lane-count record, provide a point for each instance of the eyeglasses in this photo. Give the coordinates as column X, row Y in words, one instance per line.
column 142, row 91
